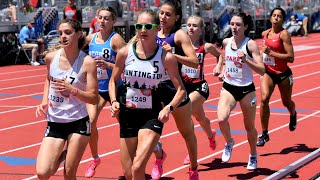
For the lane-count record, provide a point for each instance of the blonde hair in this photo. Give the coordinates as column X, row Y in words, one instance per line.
column 155, row 20
column 134, row 39
column 201, row 21
column 201, row 25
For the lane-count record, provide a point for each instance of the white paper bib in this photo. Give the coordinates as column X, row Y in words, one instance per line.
column 268, row 60
column 102, row 74
column 139, row 98
column 190, row 72
column 234, row 69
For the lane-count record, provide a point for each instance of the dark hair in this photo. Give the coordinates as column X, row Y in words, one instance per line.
column 283, row 13
column 111, row 10
column 77, row 27
column 247, row 21
column 176, row 4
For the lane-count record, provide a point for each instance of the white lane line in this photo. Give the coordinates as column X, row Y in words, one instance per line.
column 236, row 145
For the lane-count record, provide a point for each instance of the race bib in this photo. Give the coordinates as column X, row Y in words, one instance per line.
column 268, row 60
column 139, row 98
column 102, row 74
column 58, row 100
column 190, row 72
column 234, row 69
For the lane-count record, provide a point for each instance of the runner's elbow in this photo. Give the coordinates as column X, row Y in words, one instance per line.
column 291, row 59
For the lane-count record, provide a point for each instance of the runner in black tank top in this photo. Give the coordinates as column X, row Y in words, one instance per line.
column 173, row 39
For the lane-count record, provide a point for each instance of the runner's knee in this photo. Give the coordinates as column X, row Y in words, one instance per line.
column 286, row 103
column 43, row 173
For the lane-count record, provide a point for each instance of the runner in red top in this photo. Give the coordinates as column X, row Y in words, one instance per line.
column 277, row 52
column 195, row 84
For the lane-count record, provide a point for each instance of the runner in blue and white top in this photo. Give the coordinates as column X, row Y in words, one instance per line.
column 241, row 57
column 141, row 113
column 103, row 47
column 71, row 83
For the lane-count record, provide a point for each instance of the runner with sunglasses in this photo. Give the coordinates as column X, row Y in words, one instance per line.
column 103, row 47
column 175, row 40
column 141, row 114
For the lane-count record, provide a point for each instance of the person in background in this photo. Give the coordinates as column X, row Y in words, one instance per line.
column 103, row 47
column 28, row 40
column 277, row 53
column 94, row 24
column 9, row 13
column 304, row 20
column 71, row 82
column 70, row 11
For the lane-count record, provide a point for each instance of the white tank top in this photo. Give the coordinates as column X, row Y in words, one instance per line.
column 64, row 107
column 237, row 73
column 141, row 76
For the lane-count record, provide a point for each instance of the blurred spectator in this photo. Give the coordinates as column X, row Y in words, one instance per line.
column 28, row 40
column 124, row 4
column 94, row 25
column 304, row 20
column 71, row 11
column 9, row 13
column 156, row 3
column 293, row 26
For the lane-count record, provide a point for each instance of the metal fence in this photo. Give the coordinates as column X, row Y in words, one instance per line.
column 213, row 11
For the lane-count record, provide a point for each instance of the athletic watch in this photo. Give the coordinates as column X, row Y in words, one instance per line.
column 170, row 107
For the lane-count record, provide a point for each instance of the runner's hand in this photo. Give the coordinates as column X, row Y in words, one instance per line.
column 164, row 114
column 41, row 109
column 115, row 109
column 166, row 46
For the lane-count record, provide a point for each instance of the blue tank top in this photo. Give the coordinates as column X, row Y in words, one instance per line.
column 105, row 52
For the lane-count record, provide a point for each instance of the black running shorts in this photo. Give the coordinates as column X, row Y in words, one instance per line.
column 63, row 130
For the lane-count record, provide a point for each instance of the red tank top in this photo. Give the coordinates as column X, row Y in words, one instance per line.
column 70, row 12
column 194, row 75
column 276, row 45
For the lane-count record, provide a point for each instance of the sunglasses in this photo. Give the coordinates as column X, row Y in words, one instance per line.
column 146, row 26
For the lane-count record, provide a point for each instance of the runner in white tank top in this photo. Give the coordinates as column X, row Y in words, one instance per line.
column 241, row 57
column 237, row 72
column 63, row 107
column 70, row 84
